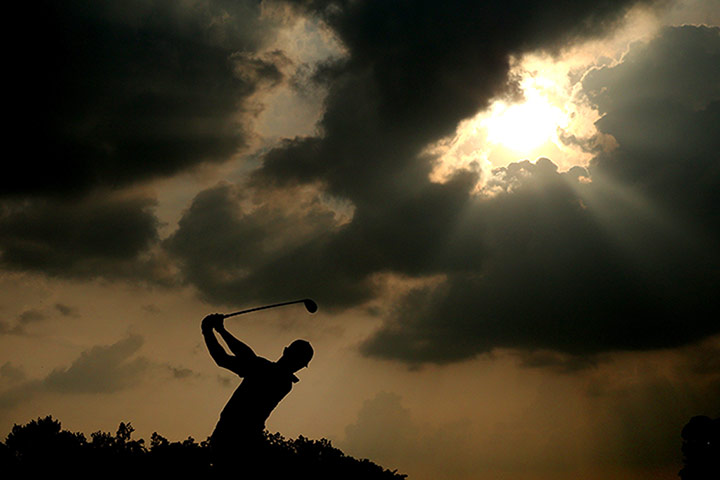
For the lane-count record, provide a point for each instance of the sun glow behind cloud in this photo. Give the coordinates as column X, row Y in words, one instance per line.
column 523, row 127
column 547, row 112
column 551, row 118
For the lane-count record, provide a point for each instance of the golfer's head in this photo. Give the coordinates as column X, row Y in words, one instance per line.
column 297, row 355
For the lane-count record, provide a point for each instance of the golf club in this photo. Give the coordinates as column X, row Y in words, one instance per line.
column 310, row 306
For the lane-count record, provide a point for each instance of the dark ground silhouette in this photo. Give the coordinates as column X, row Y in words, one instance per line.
column 42, row 447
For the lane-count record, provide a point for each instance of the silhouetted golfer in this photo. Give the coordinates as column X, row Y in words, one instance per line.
column 238, row 436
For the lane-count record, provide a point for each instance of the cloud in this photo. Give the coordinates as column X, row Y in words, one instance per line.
column 573, row 267
column 384, row 430
column 131, row 91
column 11, row 374
column 92, row 236
column 703, row 359
column 402, row 85
column 180, row 373
column 151, row 308
column 678, row 66
column 642, row 402
column 234, row 244
column 579, row 262
column 628, row 261
column 660, row 104
column 25, row 318
column 67, row 310
column 412, row 73
column 101, row 369
column 33, row 316
column 627, row 413
column 556, row 361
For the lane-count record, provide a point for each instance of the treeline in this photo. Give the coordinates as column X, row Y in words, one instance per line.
column 43, row 447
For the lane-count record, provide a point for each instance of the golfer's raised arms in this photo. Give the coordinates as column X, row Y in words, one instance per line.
column 238, row 348
column 243, row 354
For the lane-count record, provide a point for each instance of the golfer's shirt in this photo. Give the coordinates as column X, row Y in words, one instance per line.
column 265, row 383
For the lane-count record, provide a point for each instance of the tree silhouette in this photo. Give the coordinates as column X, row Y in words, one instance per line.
column 43, row 447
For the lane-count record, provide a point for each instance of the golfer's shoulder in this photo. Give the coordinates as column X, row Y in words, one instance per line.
column 262, row 364
column 250, row 365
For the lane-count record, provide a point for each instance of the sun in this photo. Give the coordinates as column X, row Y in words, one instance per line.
column 552, row 119
column 523, row 127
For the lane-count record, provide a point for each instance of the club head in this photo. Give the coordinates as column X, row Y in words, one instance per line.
column 310, row 305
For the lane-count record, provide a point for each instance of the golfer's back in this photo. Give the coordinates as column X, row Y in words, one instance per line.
column 264, row 385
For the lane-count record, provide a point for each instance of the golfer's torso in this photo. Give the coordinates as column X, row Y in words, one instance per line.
column 259, row 393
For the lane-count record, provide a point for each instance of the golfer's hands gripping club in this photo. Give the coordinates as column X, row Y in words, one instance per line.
column 214, row 321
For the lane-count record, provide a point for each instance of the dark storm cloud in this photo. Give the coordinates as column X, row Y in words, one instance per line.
column 556, row 361
column 94, row 236
column 108, row 93
column 412, row 72
column 550, row 262
column 662, row 105
column 571, row 267
column 627, row 262
column 236, row 253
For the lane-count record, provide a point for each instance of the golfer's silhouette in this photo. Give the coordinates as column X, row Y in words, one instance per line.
column 237, row 441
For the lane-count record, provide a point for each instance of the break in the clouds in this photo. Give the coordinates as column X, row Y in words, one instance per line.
column 101, row 369
column 112, row 93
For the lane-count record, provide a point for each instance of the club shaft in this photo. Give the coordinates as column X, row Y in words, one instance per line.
column 262, row 308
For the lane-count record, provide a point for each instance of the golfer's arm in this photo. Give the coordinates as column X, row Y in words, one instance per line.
column 238, row 348
column 217, row 352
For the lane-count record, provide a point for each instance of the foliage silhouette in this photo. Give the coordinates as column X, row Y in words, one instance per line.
column 701, row 449
column 43, row 447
